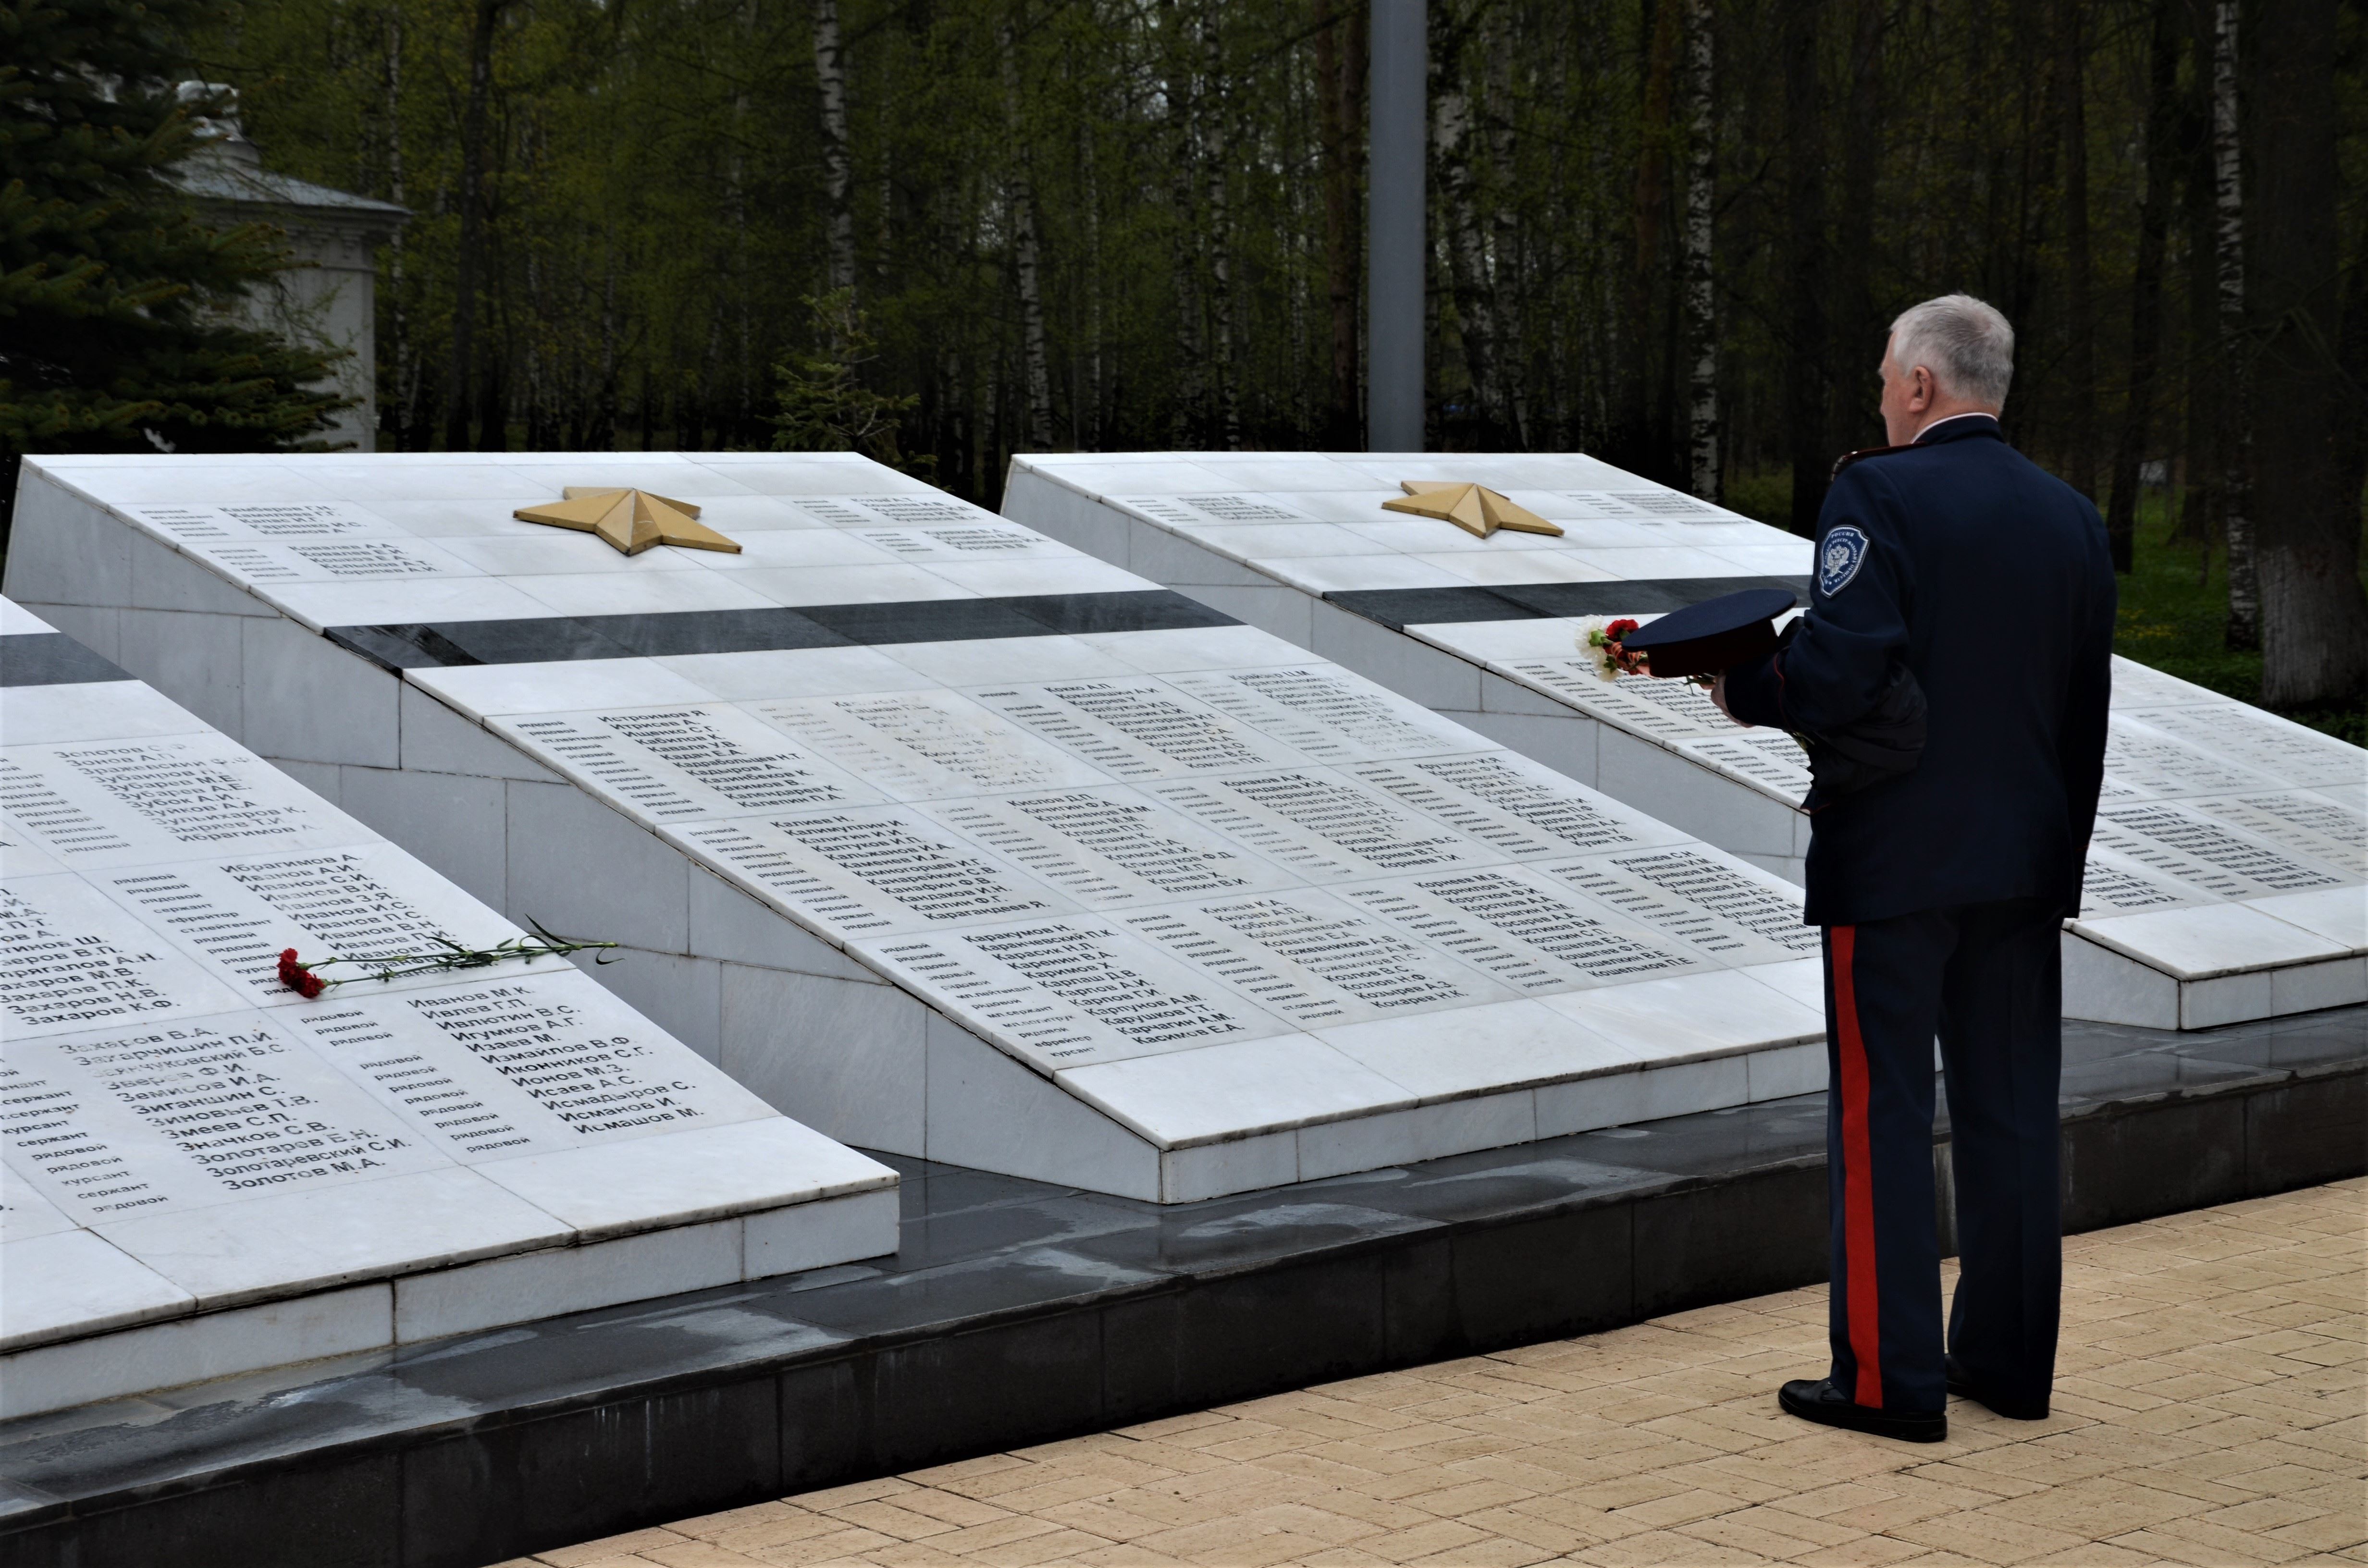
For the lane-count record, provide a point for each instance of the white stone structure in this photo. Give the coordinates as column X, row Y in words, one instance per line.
column 941, row 836
column 202, row 1173
column 330, row 298
column 2226, row 880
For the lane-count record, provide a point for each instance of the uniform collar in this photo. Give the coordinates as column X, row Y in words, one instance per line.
column 1957, row 427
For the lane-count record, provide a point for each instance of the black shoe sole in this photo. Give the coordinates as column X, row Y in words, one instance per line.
column 1874, row 1423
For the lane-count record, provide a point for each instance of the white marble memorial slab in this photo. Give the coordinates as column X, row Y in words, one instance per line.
column 185, row 1140
column 2205, row 799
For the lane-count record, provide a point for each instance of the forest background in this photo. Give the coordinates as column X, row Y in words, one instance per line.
column 1669, row 232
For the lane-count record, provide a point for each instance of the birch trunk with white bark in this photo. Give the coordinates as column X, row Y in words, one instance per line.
column 1702, row 316
column 2244, row 626
column 838, row 168
column 1036, row 377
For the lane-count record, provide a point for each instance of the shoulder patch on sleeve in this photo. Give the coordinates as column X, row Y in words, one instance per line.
column 1839, row 558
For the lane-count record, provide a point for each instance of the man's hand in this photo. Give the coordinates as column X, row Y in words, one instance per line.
column 1718, row 696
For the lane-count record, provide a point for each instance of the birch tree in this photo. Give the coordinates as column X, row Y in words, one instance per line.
column 1701, row 318
column 2244, row 631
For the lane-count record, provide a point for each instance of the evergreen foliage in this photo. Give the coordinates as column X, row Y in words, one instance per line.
column 114, row 296
column 823, row 406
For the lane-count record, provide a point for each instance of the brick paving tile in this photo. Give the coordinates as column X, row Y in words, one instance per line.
column 1495, row 1553
column 702, row 1554
column 2095, row 1554
column 2328, row 1532
column 1666, row 1548
column 2212, row 1409
column 1861, row 1552
column 608, row 1547
column 839, row 1545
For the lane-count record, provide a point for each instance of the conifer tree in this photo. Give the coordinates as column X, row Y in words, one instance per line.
column 116, row 330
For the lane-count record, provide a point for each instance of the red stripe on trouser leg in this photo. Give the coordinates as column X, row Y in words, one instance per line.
column 1858, row 1178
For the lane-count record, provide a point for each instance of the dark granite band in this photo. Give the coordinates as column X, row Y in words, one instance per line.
column 1398, row 608
column 562, row 638
column 50, row 658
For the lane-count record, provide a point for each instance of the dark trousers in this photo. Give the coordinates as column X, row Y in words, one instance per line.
column 1986, row 979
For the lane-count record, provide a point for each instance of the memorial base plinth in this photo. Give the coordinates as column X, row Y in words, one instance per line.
column 1018, row 1312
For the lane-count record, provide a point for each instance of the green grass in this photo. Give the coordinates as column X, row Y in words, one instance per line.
column 2172, row 610
column 2173, row 613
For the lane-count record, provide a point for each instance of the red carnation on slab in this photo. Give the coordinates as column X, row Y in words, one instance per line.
column 305, row 980
column 298, row 977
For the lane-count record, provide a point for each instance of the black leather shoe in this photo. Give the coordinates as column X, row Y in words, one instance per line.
column 1961, row 1384
column 1826, row 1404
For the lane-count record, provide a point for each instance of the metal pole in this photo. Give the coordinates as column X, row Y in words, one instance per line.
column 1397, row 230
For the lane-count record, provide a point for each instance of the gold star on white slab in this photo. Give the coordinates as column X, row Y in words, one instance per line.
column 1475, row 508
column 632, row 520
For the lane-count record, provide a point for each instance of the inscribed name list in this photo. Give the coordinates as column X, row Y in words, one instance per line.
column 1067, row 992
column 70, row 959
column 867, row 871
column 190, row 1113
column 686, row 763
column 919, row 745
column 1313, row 958
column 522, row 1064
column 1134, row 729
column 100, row 804
column 367, row 901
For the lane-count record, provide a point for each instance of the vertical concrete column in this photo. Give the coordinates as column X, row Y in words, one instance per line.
column 1396, row 229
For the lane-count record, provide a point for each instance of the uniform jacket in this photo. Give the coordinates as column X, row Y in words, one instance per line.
column 1990, row 580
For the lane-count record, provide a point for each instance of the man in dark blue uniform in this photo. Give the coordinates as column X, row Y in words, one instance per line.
column 1942, row 887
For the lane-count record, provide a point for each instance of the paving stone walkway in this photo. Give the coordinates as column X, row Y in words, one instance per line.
column 2209, row 1410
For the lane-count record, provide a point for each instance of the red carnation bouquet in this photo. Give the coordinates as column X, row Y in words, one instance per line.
column 307, row 982
column 1601, row 641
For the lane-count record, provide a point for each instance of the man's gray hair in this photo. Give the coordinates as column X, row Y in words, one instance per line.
column 1966, row 344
